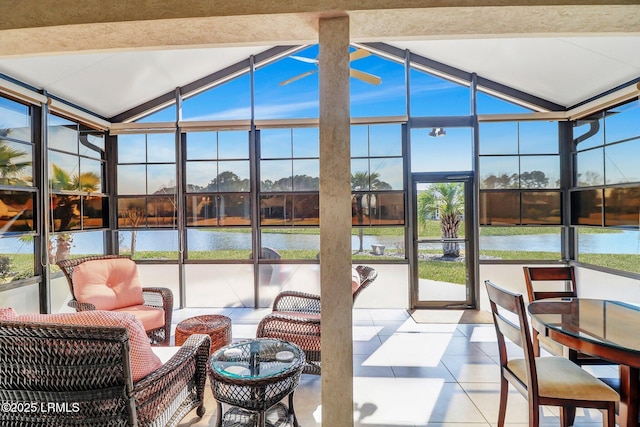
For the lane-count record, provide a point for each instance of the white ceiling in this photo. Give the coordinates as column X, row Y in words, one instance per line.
column 564, row 70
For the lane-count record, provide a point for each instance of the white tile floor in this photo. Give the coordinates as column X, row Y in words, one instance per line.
column 407, row 374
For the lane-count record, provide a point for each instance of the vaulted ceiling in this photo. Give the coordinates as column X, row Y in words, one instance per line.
column 111, row 62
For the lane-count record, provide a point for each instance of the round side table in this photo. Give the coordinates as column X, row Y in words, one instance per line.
column 217, row 326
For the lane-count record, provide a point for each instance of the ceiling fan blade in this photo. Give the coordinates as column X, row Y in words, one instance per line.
column 298, row 77
column 358, row 54
column 365, row 77
column 304, row 59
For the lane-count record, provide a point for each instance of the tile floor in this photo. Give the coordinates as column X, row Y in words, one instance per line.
column 407, row 374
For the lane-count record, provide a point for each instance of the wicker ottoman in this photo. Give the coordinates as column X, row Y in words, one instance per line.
column 217, row 326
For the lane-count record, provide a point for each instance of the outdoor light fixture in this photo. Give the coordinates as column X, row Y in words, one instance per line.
column 437, row 132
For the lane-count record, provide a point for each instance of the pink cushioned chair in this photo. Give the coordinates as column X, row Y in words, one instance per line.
column 110, row 282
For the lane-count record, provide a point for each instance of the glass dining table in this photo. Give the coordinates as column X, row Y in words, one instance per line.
column 606, row 329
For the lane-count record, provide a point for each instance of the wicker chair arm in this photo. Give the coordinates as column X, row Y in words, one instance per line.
column 297, row 302
column 81, row 306
column 157, row 297
column 189, row 364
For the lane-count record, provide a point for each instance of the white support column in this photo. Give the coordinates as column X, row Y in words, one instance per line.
column 335, row 223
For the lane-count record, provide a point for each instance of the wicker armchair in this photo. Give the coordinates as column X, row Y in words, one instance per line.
column 157, row 297
column 296, row 318
column 70, row 375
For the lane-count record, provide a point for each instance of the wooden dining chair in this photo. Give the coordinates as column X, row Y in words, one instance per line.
column 555, row 282
column 552, row 381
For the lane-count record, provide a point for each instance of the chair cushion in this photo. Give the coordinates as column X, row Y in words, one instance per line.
column 143, row 360
column 559, row 377
column 355, row 280
column 151, row 317
column 108, row 283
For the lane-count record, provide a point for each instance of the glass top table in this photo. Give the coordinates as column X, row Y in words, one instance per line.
column 602, row 328
column 254, row 376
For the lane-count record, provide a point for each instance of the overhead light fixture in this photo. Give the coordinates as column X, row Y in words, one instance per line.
column 437, row 132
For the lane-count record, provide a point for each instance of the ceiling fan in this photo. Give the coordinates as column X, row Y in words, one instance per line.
column 353, row 56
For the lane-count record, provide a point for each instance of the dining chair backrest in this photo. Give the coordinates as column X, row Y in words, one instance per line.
column 510, row 320
column 544, row 381
column 550, row 282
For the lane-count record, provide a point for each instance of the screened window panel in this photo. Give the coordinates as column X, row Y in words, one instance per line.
column 94, row 139
column 20, row 253
column 149, row 244
column 589, row 132
column 291, row 243
column 541, row 208
column 489, row 104
column 16, row 211
column 621, row 162
column 434, row 154
column 275, row 175
column 386, row 174
column 17, row 167
column 132, row 179
column 540, row 171
column 234, row 209
column 306, row 175
column 161, row 179
column 288, row 88
column 132, row 148
column 233, row 176
column 306, row 142
column 275, row 144
column 201, row 146
column 233, row 144
column 499, row 208
column 360, row 174
column 499, row 172
column 90, row 178
column 499, row 138
column 93, row 210
column 359, row 141
column 16, row 119
column 62, row 134
column 622, row 207
column 435, row 96
column 386, row 208
column 66, row 212
column 538, row 137
column 623, row 122
column 220, row 102
column 219, row 244
column 590, row 167
column 360, row 209
column 63, row 171
column 586, row 207
column 202, row 210
column 385, row 140
column 306, row 209
column 386, row 96
column 161, row 148
column 276, row 209
column 167, row 114
column 201, row 176
column 161, row 211
column 132, row 212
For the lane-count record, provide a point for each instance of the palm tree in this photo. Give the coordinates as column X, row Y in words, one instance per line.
column 444, row 201
column 364, row 181
column 10, row 169
column 67, row 205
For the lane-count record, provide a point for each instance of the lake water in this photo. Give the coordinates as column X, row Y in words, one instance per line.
column 626, row 242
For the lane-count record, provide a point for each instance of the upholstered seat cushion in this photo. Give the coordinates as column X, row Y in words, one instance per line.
column 558, row 377
column 108, row 283
column 151, row 317
column 143, row 360
column 355, row 280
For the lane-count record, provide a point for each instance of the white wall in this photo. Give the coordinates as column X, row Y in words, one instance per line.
column 590, row 283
